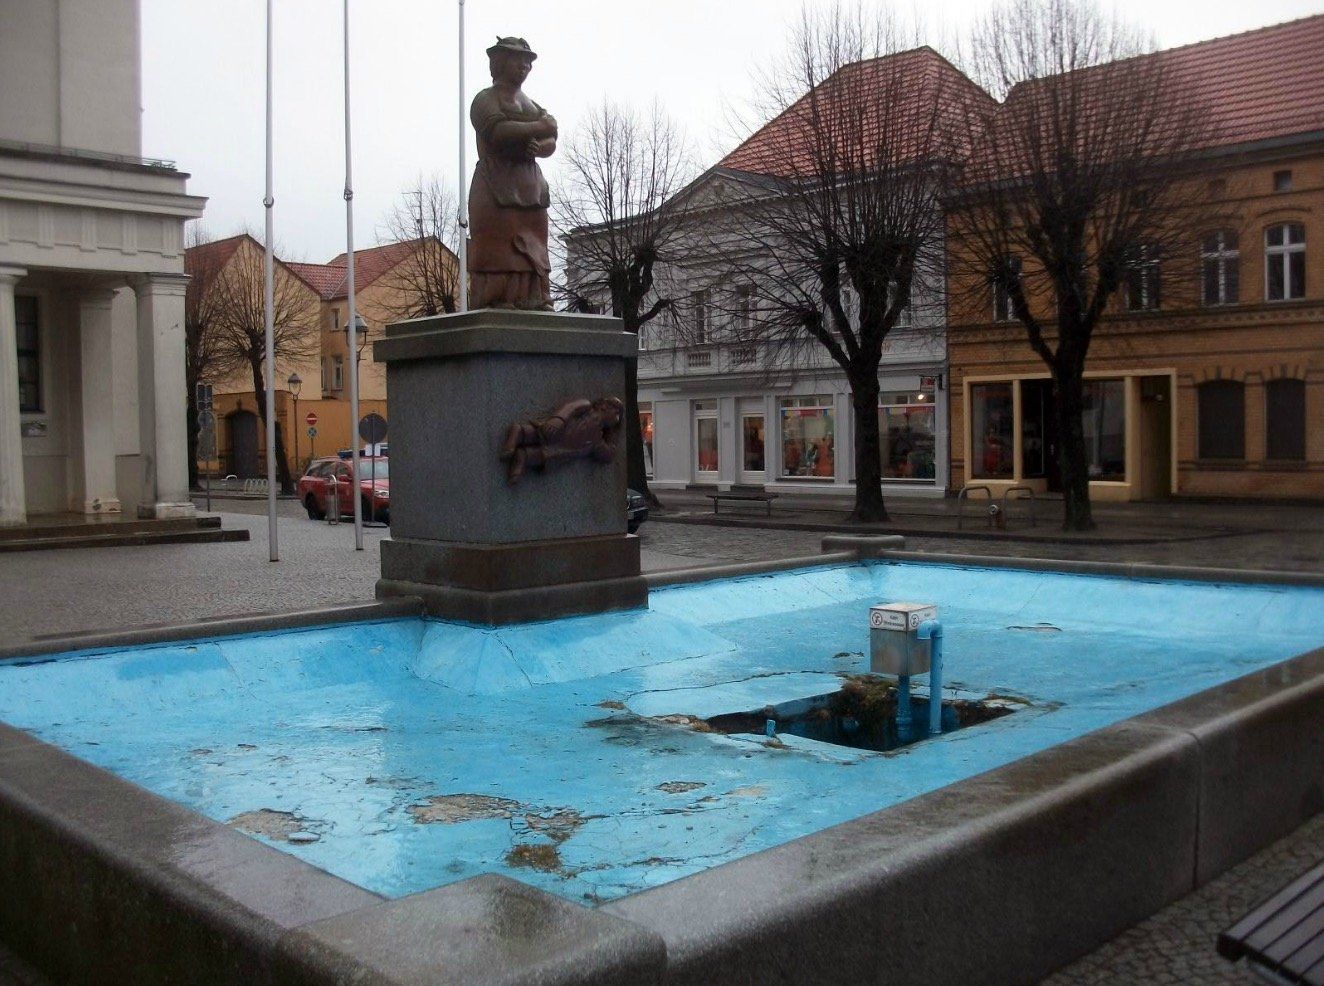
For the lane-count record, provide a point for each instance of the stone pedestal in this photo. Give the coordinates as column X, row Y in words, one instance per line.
column 473, row 545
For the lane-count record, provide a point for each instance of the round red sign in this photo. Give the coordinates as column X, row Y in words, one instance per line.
column 311, row 418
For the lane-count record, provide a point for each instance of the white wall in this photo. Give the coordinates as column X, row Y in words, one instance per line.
column 70, row 74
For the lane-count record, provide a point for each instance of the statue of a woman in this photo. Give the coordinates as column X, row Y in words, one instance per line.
column 508, row 200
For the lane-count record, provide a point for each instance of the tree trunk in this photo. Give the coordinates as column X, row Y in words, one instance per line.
column 1072, row 456
column 869, row 507
column 260, row 397
column 636, row 471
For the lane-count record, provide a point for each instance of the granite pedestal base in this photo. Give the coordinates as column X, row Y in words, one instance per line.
column 474, row 541
column 515, row 582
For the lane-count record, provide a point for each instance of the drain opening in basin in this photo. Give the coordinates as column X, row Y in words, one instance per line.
column 860, row 715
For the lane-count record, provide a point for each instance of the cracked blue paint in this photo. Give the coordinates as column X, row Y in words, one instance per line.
column 356, row 729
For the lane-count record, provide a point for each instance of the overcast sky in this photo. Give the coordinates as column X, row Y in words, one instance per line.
column 203, row 85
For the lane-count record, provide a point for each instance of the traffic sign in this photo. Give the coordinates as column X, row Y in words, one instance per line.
column 372, row 428
column 311, row 418
column 312, row 432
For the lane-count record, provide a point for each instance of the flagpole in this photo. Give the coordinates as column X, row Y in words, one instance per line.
column 353, row 354
column 268, row 306
column 462, row 303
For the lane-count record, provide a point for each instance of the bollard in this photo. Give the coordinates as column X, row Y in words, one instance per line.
column 333, row 502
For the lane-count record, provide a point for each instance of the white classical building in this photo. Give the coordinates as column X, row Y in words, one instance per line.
column 719, row 408
column 92, row 392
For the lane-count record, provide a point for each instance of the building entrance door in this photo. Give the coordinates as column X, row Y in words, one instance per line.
column 1155, row 437
column 1039, row 434
column 243, row 444
column 705, row 441
column 753, row 443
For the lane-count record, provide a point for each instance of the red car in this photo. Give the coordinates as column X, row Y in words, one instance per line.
column 336, row 473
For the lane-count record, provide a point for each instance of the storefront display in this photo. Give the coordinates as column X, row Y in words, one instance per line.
column 1104, row 424
column 646, row 429
column 992, row 448
column 907, row 423
column 807, row 437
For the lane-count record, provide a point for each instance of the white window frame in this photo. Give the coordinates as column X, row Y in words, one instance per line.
column 337, row 373
column 1282, row 253
column 1221, row 255
column 702, row 321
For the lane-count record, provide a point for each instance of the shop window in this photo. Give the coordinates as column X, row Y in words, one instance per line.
column 29, row 355
column 906, row 425
column 1222, row 419
column 991, row 441
column 646, row 430
column 1142, row 278
column 1220, row 261
column 1285, row 262
column 807, row 437
column 1103, row 421
column 1285, row 420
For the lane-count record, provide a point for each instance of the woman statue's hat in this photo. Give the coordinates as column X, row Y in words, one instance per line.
column 516, row 45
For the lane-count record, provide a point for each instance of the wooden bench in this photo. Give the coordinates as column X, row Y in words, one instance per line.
column 1284, row 936
column 742, row 496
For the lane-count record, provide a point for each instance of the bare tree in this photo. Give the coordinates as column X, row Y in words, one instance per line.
column 203, row 261
column 238, row 291
column 835, row 217
column 619, row 212
column 427, row 280
column 1077, row 190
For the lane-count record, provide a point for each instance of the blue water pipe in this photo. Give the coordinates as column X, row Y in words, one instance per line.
column 932, row 630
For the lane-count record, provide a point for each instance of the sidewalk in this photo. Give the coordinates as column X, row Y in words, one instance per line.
column 1255, row 536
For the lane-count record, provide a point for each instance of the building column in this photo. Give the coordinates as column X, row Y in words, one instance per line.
column 13, row 498
column 96, row 381
column 161, row 374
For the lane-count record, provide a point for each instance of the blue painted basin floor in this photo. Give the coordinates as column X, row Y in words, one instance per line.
column 421, row 752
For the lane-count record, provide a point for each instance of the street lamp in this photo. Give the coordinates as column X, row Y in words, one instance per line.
column 295, row 386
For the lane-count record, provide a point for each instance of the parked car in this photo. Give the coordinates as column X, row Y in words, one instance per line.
column 333, row 472
column 636, row 510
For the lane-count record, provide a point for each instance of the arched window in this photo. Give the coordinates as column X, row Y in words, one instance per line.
column 1222, row 424
column 1285, row 262
column 1285, row 419
column 1220, row 262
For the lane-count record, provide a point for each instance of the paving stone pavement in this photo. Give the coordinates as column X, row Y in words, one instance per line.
column 58, row 592
column 1176, row 945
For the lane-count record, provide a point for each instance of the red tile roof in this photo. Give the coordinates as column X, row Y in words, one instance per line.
column 370, row 264
column 1263, row 83
column 206, row 259
column 322, row 278
column 1268, row 82
column 918, row 83
column 1259, row 84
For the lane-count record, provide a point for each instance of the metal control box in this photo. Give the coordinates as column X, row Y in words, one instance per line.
column 894, row 646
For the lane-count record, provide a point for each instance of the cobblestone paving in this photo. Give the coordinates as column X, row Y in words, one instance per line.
column 1176, row 945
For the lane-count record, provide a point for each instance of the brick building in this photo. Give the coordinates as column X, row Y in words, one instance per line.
column 1213, row 386
column 317, row 296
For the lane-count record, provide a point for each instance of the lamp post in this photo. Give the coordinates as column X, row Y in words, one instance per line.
column 295, row 386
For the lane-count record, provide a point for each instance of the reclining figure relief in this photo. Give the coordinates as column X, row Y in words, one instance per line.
column 579, row 429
